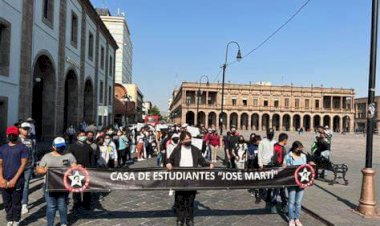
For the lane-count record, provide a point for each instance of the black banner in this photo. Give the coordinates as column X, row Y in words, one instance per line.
column 78, row 179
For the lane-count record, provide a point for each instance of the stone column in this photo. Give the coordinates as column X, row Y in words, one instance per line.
column 352, row 124
column 227, row 121
column 341, row 124
column 341, row 104
column 206, row 98
column 301, row 122
column 291, row 127
column 249, row 122
column 206, row 120
column 331, row 102
column 280, row 123
column 259, row 124
column 26, row 72
column 270, row 121
column 312, row 126
column 183, row 118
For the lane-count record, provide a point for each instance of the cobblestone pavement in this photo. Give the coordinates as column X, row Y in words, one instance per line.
column 336, row 203
column 236, row 207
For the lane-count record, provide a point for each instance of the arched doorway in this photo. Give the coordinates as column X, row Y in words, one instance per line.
column 212, row 120
column 244, row 121
column 71, row 100
column 255, row 121
column 326, row 121
column 336, row 124
column 317, row 121
column 265, row 122
column 234, row 120
column 44, row 97
column 346, row 124
column 88, row 100
column 286, row 122
column 307, row 122
column 276, row 122
column 223, row 122
column 296, row 122
column 201, row 118
column 190, row 118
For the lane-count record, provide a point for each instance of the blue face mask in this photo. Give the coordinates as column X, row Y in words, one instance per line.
column 82, row 139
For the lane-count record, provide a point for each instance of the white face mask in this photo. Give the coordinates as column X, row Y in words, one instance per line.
column 107, row 141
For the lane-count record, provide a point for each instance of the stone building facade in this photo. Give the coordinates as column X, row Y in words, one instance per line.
column 60, row 63
column 361, row 109
column 258, row 107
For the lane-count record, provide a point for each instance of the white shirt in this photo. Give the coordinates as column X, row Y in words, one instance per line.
column 266, row 152
column 170, row 148
column 186, row 157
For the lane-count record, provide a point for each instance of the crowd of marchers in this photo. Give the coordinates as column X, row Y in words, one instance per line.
column 172, row 145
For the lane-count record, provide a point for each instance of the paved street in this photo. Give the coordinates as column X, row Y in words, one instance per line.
column 234, row 207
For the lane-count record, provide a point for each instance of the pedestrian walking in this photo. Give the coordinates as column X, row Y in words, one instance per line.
column 13, row 160
column 265, row 156
column 212, row 139
column 83, row 153
column 295, row 157
column 28, row 172
column 186, row 155
column 278, row 160
column 56, row 200
column 241, row 153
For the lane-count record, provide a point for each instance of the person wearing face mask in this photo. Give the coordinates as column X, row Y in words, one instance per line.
column 111, row 152
column 56, row 200
column 94, row 146
column 186, row 155
column 83, row 153
column 28, row 142
column 241, row 153
column 213, row 140
column 13, row 160
column 295, row 157
column 171, row 145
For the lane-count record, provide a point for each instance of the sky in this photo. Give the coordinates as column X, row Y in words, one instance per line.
column 176, row 40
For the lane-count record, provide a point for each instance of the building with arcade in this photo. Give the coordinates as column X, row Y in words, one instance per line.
column 260, row 106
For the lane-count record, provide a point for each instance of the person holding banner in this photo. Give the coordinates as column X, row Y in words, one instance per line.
column 295, row 157
column 186, row 155
column 56, row 200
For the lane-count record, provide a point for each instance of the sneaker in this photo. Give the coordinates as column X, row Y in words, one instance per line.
column 298, row 223
column 16, row 223
column 10, row 223
column 24, row 209
column 292, row 223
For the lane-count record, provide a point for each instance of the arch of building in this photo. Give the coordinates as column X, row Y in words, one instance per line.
column 261, row 121
column 44, row 95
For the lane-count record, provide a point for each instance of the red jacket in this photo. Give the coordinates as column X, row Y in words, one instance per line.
column 280, row 152
column 212, row 139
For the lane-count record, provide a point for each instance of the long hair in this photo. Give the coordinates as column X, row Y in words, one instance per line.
column 296, row 144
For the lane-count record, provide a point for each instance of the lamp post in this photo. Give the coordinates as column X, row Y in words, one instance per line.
column 367, row 202
column 238, row 57
column 199, row 95
column 188, row 100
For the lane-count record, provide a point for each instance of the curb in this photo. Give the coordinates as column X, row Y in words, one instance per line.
column 317, row 216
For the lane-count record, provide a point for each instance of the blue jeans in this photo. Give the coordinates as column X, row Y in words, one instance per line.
column 25, row 195
column 295, row 202
column 56, row 201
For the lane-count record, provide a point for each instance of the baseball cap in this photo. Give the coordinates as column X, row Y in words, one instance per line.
column 12, row 130
column 59, row 142
column 29, row 119
column 25, row 125
column 326, row 127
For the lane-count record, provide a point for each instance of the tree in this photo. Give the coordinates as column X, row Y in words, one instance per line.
column 155, row 111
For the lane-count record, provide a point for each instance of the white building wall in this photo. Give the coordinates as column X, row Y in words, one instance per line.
column 11, row 11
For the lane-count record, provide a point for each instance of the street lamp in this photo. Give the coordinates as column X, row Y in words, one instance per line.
column 367, row 202
column 199, row 95
column 238, row 58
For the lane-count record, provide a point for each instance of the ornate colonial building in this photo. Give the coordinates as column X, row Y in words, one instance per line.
column 258, row 107
column 57, row 64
